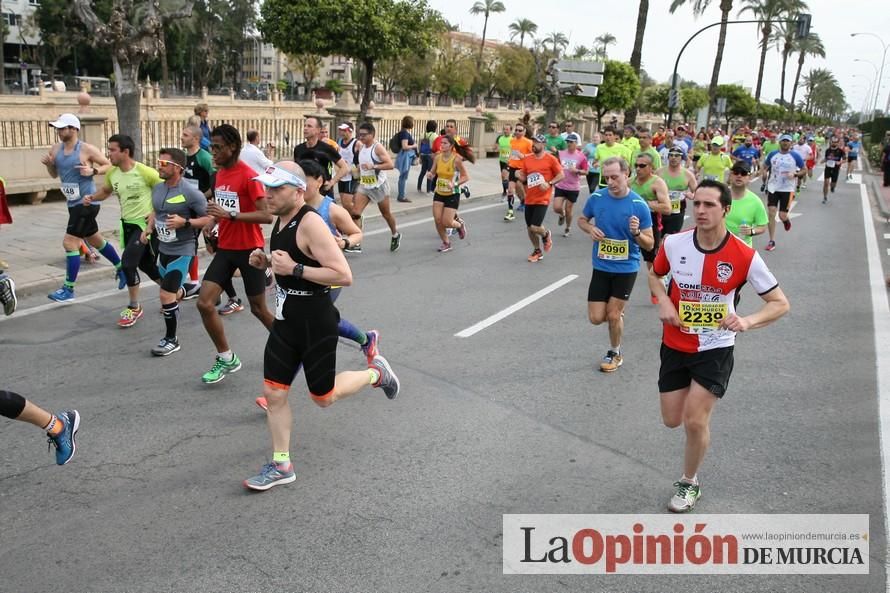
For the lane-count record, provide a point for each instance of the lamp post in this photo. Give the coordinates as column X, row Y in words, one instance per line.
column 874, row 87
column 881, row 74
column 866, row 101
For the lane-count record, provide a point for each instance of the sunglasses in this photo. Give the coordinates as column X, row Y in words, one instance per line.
column 217, row 147
column 552, row 126
column 740, row 173
column 641, row 165
column 165, row 162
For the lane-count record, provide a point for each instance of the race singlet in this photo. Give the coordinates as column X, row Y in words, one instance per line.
column 228, row 200
column 71, row 191
column 676, row 200
column 613, row 249
column 700, row 318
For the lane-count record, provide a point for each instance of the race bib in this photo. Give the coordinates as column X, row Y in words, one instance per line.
column 228, row 200
column 569, row 165
column 368, row 178
column 830, row 164
column 164, row 233
column 443, row 186
column 535, row 180
column 192, row 182
column 71, row 191
column 280, row 297
column 700, row 318
column 711, row 177
column 613, row 249
column 676, row 200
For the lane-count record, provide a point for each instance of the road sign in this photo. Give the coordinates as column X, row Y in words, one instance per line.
column 673, row 98
column 578, row 77
column 721, row 105
column 803, row 25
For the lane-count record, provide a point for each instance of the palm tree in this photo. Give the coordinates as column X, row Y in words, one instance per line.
column 486, row 7
column 769, row 12
column 558, row 41
column 636, row 56
column 698, row 7
column 604, row 41
column 814, row 80
column 522, row 27
column 808, row 46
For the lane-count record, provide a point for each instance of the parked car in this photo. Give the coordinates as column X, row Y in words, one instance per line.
column 49, row 86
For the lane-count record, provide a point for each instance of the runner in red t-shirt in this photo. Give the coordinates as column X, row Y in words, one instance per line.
column 240, row 207
column 708, row 265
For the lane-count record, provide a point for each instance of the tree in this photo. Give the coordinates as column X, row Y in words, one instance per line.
column 619, row 89
column 768, row 12
column 698, row 8
column 131, row 35
column 558, row 42
column 309, row 66
column 772, row 114
column 636, row 55
column 485, row 7
column 514, row 73
column 808, row 46
column 603, row 42
column 739, row 103
column 454, row 70
column 655, row 99
column 521, row 28
column 59, row 30
column 388, row 19
column 581, row 52
column 691, row 100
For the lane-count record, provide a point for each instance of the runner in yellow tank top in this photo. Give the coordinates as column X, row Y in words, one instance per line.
column 450, row 174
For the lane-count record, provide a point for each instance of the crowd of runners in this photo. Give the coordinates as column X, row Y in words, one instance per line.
column 639, row 184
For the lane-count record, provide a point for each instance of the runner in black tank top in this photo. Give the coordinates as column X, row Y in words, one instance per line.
column 306, row 261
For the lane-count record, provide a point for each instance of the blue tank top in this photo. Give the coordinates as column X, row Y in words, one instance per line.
column 324, row 210
column 74, row 185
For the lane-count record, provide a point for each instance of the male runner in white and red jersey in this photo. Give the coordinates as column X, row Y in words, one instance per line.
column 708, row 265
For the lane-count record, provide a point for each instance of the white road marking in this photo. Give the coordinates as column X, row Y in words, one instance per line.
column 887, row 235
column 881, row 320
column 405, row 225
column 855, row 178
column 474, row 329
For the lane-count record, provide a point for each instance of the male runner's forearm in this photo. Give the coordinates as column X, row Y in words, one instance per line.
column 328, row 276
column 257, row 217
column 656, row 286
column 645, row 240
column 770, row 312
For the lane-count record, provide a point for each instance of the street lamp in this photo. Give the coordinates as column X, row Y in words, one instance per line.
column 874, row 86
column 881, row 75
column 868, row 93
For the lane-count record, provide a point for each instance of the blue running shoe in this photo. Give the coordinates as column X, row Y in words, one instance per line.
column 370, row 348
column 121, row 278
column 65, row 441
column 272, row 474
column 63, row 295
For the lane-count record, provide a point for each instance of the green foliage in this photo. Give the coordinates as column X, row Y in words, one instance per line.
column 655, row 99
column 334, row 85
column 330, row 28
column 878, row 127
column 772, row 114
column 875, row 154
column 739, row 102
column 490, row 120
column 454, row 70
column 692, row 98
column 619, row 90
column 514, row 72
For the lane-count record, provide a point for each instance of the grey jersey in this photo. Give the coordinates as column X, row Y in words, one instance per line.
column 186, row 201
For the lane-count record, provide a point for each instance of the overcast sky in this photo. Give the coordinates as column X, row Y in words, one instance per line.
column 582, row 21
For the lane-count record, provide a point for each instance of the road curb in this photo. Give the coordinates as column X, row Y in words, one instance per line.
column 51, row 283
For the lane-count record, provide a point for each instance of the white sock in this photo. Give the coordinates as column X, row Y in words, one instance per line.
column 227, row 356
column 692, row 480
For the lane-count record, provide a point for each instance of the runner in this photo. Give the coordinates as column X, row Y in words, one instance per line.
column 520, row 148
column 803, row 150
column 853, row 147
column 345, row 232
column 747, row 217
column 593, row 165
column 373, row 159
column 780, row 170
column 654, row 192
column 131, row 182
column 306, row 261
column 811, row 162
column 239, row 208
column 252, row 154
column 748, row 153
column 619, row 223
column 715, row 164
column 347, row 146
column 76, row 163
column 708, row 266
column 450, row 175
column 179, row 209
column 198, row 173
column 503, row 144
column 834, row 159
column 60, row 428
column 317, row 149
column 681, row 183
column 555, row 142
column 569, row 128
column 610, row 148
column 574, row 165
column 644, row 142
column 630, row 140
column 540, row 172
column 769, row 144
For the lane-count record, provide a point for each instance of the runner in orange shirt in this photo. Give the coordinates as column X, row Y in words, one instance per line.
column 540, row 172
column 520, row 147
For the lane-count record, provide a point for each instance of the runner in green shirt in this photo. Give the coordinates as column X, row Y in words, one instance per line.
column 504, row 150
column 645, row 147
column 715, row 164
column 610, row 148
column 747, row 217
column 555, row 142
column 131, row 181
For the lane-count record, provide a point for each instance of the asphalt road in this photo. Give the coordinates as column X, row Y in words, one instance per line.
column 408, row 495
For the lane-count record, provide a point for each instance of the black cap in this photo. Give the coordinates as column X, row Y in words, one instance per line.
column 741, row 167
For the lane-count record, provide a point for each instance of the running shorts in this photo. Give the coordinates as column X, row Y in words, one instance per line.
column 568, row 194
column 782, row 199
column 832, row 173
column 671, row 224
column 174, row 269
column 606, row 285
column 649, row 256
column 347, row 187
column 709, row 368
column 511, row 174
column 534, row 214
column 503, row 165
column 222, row 269
column 452, row 201
column 375, row 194
column 82, row 221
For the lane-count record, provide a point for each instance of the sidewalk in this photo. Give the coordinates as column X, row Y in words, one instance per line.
column 32, row 244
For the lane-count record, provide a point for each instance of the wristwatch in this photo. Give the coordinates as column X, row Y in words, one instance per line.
column 637, row 234
column 233, row 215
column 188, row 224
column 95, row 171
column 298, row 271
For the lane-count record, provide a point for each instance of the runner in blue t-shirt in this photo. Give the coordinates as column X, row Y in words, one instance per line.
column 619, row 222
column 853, row 147
column 749, row 153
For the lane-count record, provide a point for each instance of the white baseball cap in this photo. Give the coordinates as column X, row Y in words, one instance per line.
column 276, row 177
column 65, row 120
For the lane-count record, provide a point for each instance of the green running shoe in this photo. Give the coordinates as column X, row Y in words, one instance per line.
column 221, row 368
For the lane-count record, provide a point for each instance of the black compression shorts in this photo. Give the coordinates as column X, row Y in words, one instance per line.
column 569, row 194
column 606, row 285
column 226, row 261
column 82, row 221
column 534, row 214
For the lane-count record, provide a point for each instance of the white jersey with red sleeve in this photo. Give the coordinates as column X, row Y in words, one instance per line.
column 704, row 285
